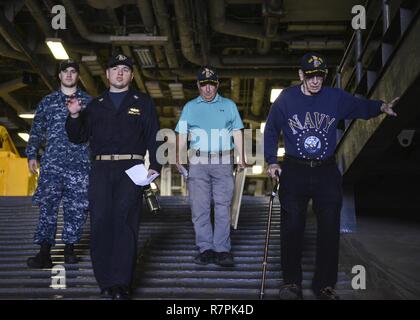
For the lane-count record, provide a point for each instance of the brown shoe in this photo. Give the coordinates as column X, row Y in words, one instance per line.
column 290, row 292
column 327, row 293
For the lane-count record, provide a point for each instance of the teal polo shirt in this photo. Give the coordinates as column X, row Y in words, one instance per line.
column 210, row 123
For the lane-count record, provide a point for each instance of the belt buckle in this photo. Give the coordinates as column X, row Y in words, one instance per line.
column 312, row 163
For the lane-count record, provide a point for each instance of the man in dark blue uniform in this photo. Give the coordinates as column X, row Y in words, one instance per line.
column 120, row 125
column 64, row 169
column 308, row 115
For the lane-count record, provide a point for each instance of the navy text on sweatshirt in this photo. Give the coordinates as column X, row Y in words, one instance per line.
column 309, row 123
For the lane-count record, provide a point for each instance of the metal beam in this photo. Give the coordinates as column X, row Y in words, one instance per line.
column 8, row 28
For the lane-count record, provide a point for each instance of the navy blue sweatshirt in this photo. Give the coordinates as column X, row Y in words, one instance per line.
column 309, row 123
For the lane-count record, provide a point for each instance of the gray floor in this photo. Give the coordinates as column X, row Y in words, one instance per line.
column 389, row 249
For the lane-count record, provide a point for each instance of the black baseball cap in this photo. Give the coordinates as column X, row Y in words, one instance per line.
column 314, row 64
column 120, row 59
column 207, row 74
column 69, row 63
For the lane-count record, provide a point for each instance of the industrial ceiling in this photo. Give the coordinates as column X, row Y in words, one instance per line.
column 254, row 45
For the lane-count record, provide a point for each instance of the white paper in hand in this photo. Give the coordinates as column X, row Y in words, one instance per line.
column 138, row 174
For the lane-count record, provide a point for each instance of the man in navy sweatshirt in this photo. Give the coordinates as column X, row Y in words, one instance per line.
column 308, row 115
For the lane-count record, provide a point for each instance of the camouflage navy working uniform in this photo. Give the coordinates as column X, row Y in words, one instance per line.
column 64, row 170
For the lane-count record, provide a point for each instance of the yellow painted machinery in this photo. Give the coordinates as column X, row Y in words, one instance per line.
column 15, row 178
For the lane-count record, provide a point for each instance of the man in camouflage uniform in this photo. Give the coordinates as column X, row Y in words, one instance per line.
column 64, row 169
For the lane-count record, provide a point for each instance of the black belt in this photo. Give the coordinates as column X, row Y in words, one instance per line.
column 309, row 162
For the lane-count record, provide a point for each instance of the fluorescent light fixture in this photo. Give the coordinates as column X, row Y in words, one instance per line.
column 262, row 127
column 154, row 89
column 281, row 152
column 145, row 57
column 24, row 136
column 27, row 115
column 57, row 48
column 275, row 92
column 139, row 39
column 257, row 169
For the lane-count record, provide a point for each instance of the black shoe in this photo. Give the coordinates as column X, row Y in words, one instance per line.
column 120, row 293
column 69, row 254
column 205, row 257
column 42, row 259
column 327, row 293
column 106, row 293
column 290, row 292
column 224, row 259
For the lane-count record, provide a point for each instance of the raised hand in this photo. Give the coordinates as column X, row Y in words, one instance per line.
column 74, row 105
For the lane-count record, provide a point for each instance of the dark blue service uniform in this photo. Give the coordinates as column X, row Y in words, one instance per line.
column 115, row 202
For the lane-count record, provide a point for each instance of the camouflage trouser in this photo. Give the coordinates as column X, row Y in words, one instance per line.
column 71, row 187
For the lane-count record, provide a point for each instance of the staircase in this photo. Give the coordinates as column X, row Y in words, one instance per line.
column 166, row 250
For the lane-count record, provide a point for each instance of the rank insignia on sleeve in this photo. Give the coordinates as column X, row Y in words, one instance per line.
column 134, row 111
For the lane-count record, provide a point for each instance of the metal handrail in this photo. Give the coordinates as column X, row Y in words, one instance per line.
column 349, row 48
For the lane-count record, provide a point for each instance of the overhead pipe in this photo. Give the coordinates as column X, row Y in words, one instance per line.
column 201, row 17
column 162, row 17
column 81, row 27
column 6, row 51
column 222, row 25
column 146, row 13
column 11, row 32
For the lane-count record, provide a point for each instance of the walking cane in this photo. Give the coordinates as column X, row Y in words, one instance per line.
column 267, row 236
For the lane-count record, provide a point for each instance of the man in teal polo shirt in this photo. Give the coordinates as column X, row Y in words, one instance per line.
column 211, row 121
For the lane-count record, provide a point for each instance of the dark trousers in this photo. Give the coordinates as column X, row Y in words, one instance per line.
column 298, row 184
column 115, row 204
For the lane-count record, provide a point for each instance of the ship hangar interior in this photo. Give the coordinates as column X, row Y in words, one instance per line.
column 256, row 47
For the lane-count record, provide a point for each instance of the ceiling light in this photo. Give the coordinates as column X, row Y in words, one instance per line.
column 146, row 58
column 177, row 91
column 27, row 115
column 275, row 92
column 257, row 169
column 24, row 136
column 57, row 48
column 139, row 39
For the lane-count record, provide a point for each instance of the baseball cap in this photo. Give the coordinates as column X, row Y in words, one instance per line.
column 207, row 74
column 313, row 64
column 120, row 59
column 69, row 63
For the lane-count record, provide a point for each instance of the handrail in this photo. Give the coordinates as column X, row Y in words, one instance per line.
column 348, row 50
